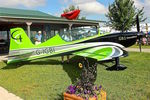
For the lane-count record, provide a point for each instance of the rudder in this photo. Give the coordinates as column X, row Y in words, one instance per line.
column 19, row 39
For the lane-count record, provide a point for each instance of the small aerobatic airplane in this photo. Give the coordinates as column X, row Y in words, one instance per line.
column 22, row 49
column 88, row 43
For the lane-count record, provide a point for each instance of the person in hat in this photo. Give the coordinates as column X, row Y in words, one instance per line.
column 38, row 38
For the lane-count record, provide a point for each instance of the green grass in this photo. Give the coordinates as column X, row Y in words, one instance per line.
column 47, row 79
column 143, row 46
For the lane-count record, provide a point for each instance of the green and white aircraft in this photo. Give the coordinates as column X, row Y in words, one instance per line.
column 22, row 49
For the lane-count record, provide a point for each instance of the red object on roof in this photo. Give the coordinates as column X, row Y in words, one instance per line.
column 71, row 15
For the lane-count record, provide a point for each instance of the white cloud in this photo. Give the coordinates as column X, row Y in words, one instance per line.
column 143, row 3
column 25, row 3
column 138, row 3
column 90, row 6
column 87, row 7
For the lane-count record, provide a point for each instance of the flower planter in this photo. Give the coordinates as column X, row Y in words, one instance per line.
column 102, row 95
column 68, row 96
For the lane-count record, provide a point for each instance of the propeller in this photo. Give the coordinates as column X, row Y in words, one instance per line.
column 139, row 34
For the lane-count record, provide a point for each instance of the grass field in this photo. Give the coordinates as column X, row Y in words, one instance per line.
column 47, row 79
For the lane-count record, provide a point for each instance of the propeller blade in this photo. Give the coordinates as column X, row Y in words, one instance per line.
column 138, row 30
column 138, row 23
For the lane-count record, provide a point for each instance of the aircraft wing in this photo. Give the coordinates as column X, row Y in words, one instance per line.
column 101, row 53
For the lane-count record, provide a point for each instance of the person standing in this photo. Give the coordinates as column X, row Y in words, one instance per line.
column 45, row 36
column 62, row 58
column 38, row 38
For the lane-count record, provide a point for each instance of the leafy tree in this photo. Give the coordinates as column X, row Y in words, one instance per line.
column 71, row 8
column 83, row 18
column 122, row 15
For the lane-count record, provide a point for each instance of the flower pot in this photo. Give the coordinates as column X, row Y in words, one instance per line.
column 68, row 96
column 93, row 98
column 101, row 96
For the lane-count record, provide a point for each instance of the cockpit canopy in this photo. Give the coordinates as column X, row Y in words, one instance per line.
column 78, row 33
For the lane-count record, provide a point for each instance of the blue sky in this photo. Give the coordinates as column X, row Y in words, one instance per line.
column 92, row 9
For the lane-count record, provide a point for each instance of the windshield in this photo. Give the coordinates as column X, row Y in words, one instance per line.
column 78, row 33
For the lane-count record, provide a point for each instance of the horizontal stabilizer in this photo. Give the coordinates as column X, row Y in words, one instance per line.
column 101, row 53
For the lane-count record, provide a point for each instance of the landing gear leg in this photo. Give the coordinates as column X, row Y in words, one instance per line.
column 117, row 65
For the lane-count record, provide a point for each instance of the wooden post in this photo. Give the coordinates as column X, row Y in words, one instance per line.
column 146, row 34
column 28, row 28
column 70, row 26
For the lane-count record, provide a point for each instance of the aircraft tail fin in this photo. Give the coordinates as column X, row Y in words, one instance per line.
column 20, row 45
column 19, row 39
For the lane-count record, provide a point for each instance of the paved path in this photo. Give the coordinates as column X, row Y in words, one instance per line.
column 137, row 50
column 5, row 95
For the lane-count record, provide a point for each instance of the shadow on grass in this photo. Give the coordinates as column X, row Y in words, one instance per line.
column 116, row 68
column 72, row 68
column 20, row 64
column 110, row 66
